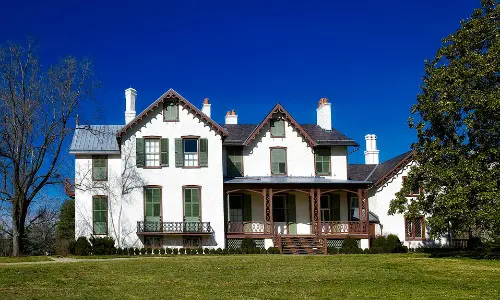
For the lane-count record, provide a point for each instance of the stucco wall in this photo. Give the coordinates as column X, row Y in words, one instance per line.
column 170, row 178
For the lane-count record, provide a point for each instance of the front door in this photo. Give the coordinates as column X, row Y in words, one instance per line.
column 284, row 214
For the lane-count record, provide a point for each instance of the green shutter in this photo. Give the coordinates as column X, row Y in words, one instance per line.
column 191, row 205
column 164, row 152
column 139, row 152
column 291, row 214
column 152, row 209
column 247, row 207
column 179, row 154
column 203, row 152
column 100, row 215
column 234, row 162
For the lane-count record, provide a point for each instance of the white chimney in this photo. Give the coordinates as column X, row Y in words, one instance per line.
column 231, row 117
column 206, row 107
column 130, row 95
column 324, row 114
column 371, row 153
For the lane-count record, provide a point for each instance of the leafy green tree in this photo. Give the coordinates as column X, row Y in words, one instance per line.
column 457, row 120
column 66, row 223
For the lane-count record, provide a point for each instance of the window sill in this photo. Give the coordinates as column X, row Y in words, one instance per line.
column 414, row 239
column 325, row 174
column 100, row 234
column 194, row 167
column 170, row 121
column 93, row 179
column 278, row 136
column 152, row 167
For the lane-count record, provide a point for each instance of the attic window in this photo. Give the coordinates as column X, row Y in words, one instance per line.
column 277, row 128
column 171, row 112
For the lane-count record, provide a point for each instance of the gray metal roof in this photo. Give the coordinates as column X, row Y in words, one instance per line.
column 95, row 139
column 289, row 180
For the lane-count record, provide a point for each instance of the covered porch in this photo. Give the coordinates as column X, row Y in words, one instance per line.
column 271, row 207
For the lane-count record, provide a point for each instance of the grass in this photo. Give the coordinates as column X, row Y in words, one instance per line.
column 411, row 276
column 5, row 260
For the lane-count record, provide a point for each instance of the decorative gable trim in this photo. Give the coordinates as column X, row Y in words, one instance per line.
column 173, row 95
column 403, row 163
column 278, row 108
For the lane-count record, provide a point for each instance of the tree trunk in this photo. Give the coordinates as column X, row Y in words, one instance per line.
column 18, row 226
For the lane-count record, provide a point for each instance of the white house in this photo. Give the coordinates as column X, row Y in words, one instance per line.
column 173, row 177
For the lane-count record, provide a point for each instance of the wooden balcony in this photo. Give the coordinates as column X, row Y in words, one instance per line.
column 174, row 228
column 343, row 227
column 250, row 227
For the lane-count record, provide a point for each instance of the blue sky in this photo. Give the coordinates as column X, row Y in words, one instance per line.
column 367, row 57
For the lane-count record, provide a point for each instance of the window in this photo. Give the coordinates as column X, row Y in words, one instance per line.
column 236, row 208
column 152, row 209
column 322, row 158
column 330, row 207
column 277, row 128
column 234, row 162
column 171, row 112
column 278, row 161
column 414, row 190
column 153, row 241
column 99, row 167
column 353, row 208
column 190, row 152
column 414, row 229
column 192, row 204
column 100, row 214
column 152, row 152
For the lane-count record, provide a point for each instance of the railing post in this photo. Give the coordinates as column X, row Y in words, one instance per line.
column 318, row 210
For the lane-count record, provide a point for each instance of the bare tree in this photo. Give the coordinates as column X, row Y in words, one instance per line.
column 36, row 106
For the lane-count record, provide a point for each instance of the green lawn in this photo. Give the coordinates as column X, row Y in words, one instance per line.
column 409, row 276
column 5, row 260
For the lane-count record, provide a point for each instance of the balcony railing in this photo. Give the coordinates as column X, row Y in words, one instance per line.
column 174, row 227
column 336, row 227
column 245, row 227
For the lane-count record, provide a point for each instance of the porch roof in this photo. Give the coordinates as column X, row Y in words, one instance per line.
column 291, row 180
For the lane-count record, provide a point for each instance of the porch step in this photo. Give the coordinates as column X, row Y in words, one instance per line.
column 302, row 245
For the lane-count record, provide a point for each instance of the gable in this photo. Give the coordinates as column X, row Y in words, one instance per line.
column 278, row 109
column 167, row 97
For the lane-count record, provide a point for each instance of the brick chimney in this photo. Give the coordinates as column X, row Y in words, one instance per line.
column 130, row 95
column 206, row 109
column 231, row 117
column 371, row 153
column 324, row 114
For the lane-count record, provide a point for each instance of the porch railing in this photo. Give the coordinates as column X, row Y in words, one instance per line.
column 347, row 227
column 245, row 227
column 174, row 227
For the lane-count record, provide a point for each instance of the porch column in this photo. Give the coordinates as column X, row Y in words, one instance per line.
column 318, row 211
column 314, row 227
column 264, row 200
column 360, row 210
column 271, row 218
column 367, row 212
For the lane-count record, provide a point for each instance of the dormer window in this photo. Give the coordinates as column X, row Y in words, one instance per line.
column 171, row 112
column 277, row 128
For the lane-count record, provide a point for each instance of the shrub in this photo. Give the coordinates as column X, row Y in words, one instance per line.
column 332, row 250
column 200, row 250
column 168, row 251
column 393, row 244
column 83, row 246
column 182, row 251
column 102, row 245
column 119, row 251
column 238, row 251
column 176, row 251
column 273, row 250
column 380, row 243
column 72, row 245
column 262, row 251
column 131, row 251
column 156, row 251
column 149, row 250
column 206, row 250
column 137, row 251
column 212, row 251
column 219, row 251
column 225, row 251
column 143, row 251
column 350, row 246
column 248, row 243
column 232, row 251
column 162, row 250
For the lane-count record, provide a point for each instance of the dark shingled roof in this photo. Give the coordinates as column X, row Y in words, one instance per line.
column 374, row 173
column 239, row 133
column 328, row 138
